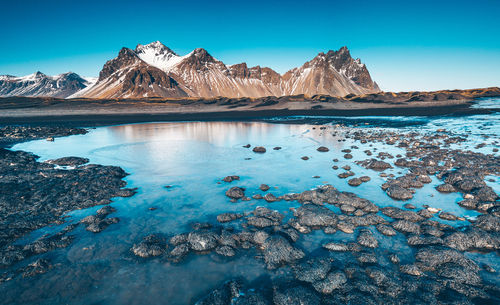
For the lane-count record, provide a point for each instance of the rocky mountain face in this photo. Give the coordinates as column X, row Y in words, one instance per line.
column 39, row 84
column 129, row 76
column 154, row 70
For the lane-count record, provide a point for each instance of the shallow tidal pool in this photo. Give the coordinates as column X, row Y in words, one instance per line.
column 178, row 169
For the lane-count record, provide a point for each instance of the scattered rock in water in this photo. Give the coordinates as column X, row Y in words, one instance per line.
column 347, row 156
column 277, row 148
column 406, row 226
column 311, row 215
column 345, row 174
column 202, row 240
column 259, row 149
column 473, row 239
column 305, row 158
column 398, row 213
column 231, row 178
column 399, row 193
column 312, row 270
column 334, row 280
column 424, row 179
column 409, row 206
column 386, row 230
column 394, row 258
column 97, row 223
column 235, row 192
column 264, row 187
column 225, row 251
column 418, row 240
column 375, row 164
column 447, row 216
column 425, row 213
column 346, row 227
column 323, row 149
column 333, row 246
column 354, row 182
column 446, row 188
column 247, row 146
column 151, row 245
column 261, row 222
column 366, row 239
column 227, row 217
column 39, row 266
column 179, row 251
column 264, row 217
column 178, row 239
column 488, row 223
column 410, row 269
column 367, row 258
column 270, row 197
column 278, row 251
column 432, row 257
column 364, row 178
column 347, row 209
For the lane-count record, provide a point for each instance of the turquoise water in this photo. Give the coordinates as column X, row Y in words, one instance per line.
column 192, row 158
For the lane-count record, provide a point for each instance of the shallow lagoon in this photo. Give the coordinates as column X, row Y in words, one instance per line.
column 192, row 158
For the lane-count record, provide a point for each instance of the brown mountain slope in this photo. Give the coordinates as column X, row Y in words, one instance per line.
column 155, row 70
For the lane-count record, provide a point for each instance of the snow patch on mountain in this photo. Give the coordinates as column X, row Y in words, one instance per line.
column 39, row 84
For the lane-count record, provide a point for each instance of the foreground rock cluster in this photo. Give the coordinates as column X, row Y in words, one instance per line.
column 366, row 252
column 429, row 258
column 361, row 271
column 36, row 194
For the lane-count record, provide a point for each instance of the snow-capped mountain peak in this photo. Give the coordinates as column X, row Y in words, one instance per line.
column 158, row 55
column 154, row 70
column 39, row 84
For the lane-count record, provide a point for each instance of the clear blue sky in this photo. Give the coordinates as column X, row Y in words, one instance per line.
column 406, row 45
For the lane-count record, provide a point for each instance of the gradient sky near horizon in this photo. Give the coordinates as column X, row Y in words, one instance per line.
column 406, row 45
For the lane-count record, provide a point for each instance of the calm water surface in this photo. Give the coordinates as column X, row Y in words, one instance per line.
column 192, row 158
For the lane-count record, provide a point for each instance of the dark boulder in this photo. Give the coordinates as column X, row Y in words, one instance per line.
column 235, row 192
column 278, row 251
column 315, row 216
column 259, row 149
column 151, row 245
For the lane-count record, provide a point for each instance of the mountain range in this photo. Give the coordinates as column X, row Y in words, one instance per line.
column 154, row 70
column 39, row 84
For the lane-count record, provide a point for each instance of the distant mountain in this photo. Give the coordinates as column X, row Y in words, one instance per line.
column 39, row 84
column 154, row 70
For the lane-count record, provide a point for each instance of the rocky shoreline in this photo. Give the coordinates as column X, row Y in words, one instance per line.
column 12, row 134
column 369, row 264
column 37, row 194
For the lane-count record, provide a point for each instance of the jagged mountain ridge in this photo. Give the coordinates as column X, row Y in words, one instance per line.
column 154, row 70
column 39, row 84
